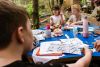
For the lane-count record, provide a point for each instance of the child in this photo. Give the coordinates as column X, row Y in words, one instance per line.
column 76, row 16
column 57, row 19
column 97, row 8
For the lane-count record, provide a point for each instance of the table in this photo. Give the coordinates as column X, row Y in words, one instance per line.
column 73, row 57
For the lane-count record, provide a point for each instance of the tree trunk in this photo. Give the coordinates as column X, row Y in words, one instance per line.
column 57, row 2
column 50, row 5
column 52, row 2
column 61, row 2
column 35, row 14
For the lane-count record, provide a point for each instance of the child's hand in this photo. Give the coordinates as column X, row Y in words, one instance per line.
column 97, row 31
column 97, row 45
column 86, row 51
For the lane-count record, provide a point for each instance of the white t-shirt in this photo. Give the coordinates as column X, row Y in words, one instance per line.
column 56, row 19
column 73, row 18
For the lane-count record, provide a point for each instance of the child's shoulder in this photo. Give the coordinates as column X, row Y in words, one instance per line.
column 72, row 15
column 52, row 16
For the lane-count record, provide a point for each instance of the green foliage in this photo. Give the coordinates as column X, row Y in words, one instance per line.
column 43, row 9
column 83, row 2
column 29, row 8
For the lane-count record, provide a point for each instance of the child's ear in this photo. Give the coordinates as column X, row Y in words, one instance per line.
column 20, row 35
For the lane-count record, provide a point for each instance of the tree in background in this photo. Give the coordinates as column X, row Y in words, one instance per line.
column 52, row 3
column 61, row 2
column 84, row 2
column 35, row 14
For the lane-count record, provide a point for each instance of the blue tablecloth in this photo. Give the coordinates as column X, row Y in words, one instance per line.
column 88, row 41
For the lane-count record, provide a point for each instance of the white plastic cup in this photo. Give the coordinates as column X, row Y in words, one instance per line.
column 75, row 31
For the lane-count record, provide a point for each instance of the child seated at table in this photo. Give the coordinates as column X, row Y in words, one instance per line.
column 76, row 16
column 96, row 9
column 57, row 19
column 94, row 18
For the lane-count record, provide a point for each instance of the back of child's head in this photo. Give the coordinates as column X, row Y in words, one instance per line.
column 11, row 17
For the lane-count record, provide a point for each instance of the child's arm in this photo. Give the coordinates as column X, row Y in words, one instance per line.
column 75, row 23
column 51, row 21
column 70, row 20
column 84, row 61
column 62, row 19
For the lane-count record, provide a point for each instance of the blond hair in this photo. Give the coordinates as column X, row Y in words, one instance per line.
column 76, row 6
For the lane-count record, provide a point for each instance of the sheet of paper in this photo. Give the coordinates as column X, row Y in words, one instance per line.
column 36, row 32
column 39, row 34
column 49, row 47
column 39, row 37
column 73, row 46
